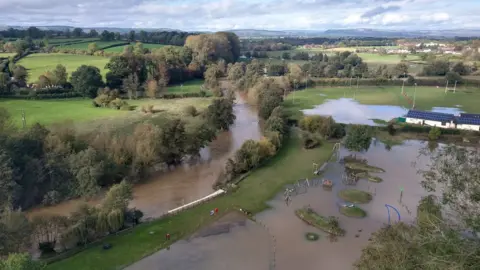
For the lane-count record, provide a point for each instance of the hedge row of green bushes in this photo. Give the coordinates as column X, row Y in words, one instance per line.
column 44, row 96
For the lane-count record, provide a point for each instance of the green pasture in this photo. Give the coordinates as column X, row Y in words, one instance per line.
column 84, row 45
column 187, row 87
column 81, row 110
column 119, row 49
column 60, row 41
column 426, row 97
column 37, row 64
column 253, row 193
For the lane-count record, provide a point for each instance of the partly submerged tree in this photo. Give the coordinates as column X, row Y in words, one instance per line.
column 453, row 170
column 359, row 138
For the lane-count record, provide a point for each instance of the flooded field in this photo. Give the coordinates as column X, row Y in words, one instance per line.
column 245, row 245
column 233, row 243
column 293, row 251
column 349, row 111
column 188, row 182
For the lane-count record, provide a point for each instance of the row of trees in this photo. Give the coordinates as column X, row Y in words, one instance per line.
column 84, row 225
column 162, row 37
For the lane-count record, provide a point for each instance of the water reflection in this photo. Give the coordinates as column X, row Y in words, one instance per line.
column 349, row 111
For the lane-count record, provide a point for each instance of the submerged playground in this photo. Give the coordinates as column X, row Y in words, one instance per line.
column 321, row 222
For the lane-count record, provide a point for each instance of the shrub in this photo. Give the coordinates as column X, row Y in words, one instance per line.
column 310, row 140
column 318, row 124
column 434, row 134
column 391, row 129
column 191, row 110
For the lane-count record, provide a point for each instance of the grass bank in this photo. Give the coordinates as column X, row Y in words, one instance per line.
column 355, row 196
column 426, row 98
column 37, row 64
column 81, row 110
column 353, row 211
column 260, row 186
column 327, row 224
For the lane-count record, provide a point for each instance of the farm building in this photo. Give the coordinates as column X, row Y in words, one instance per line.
column 444, row 120
column 434, row 119
column 468, row 121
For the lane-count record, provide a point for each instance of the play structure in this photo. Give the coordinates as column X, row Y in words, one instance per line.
column 388, row 206
column 409, row 100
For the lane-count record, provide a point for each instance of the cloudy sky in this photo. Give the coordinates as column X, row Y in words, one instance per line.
column 245, row 14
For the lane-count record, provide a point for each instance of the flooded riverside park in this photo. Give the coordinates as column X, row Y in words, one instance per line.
column 165, row 190
column 277, row 238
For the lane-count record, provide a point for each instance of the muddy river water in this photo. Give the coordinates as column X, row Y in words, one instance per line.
column 278, row 240
column 188, row 182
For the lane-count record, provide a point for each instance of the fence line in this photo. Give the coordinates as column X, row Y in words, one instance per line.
column 194, row 203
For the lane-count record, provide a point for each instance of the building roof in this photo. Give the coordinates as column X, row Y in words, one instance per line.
column 470, row 115
column 468, row 121
column 432, row 116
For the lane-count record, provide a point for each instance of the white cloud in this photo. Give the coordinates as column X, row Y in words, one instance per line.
column 227, row 14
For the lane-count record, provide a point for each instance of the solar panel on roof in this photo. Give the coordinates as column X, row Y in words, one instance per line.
column 470, row 115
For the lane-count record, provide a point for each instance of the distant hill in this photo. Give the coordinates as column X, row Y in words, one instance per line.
column 359, row 32
column 259, row 33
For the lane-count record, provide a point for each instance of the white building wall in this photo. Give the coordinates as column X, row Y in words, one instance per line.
column 414, row 121
column 468, row 127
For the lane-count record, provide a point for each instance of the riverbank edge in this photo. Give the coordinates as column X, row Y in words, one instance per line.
column 181, row 226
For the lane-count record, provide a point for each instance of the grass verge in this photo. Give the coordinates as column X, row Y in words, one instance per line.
column 355, row 196
column 259, row 187
column 327, row 224
column 353, row 211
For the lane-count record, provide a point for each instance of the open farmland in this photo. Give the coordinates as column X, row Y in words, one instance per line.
column 187, row 87
column 39, row 63
column 120, row 48
column 60, row 41
column 81, row 110
column 84, row 45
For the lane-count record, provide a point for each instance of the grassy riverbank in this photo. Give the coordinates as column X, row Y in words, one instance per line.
column 259, row 187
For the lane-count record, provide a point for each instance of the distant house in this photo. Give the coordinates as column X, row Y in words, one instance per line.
column 444, row 120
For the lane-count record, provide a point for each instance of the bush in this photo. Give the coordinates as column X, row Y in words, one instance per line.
column 191, row 110
column 310, row 140
column 325, row 126
column 391, row 129
column 434, row 134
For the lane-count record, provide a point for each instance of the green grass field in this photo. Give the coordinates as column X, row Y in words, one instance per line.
column 187, row 87
column 84, row 45
column 60, row 41
column 37, row 64
column 119, row 49
column 6, row 55
column 262, row 185
column 81, row 110
column 426, row 97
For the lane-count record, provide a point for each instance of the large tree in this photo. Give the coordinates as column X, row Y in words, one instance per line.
column 87, row 80
column 454, row 172
column 359, row 138
column 220, row 113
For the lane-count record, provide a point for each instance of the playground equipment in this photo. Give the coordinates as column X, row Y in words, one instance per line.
column 388, row 206
column 327, row 183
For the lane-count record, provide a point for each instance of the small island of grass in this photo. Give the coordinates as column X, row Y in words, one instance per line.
column 353, row 211
column 355, row 196
column 327, row 224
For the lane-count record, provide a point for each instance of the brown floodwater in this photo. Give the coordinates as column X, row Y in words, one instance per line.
column 292, row 251
column 185, row 183
column 233, row 248
column 233, row 243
